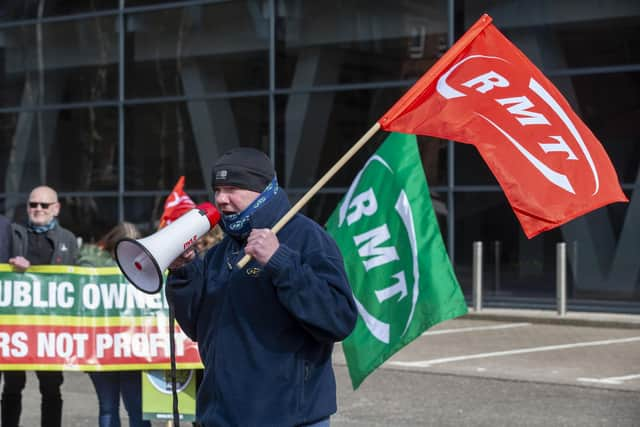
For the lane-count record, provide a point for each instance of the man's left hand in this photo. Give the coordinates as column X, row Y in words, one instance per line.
column 262, row 243
column 20, row 263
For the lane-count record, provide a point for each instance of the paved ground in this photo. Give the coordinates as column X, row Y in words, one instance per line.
column 410, row 399
column 494, row 368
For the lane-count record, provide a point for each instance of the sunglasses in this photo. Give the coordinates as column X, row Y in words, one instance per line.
column 34, row 205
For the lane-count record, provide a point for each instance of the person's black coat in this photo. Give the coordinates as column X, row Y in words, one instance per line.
column 5, row 239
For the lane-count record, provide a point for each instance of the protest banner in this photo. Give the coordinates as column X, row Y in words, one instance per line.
column 87, row 319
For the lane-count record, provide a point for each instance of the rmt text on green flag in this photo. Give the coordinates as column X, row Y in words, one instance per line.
column 399, row 270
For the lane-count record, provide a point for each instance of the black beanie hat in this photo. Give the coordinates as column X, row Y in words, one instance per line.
column 243, row 167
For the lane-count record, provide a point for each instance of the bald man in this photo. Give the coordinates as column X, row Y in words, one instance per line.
column 41, row 242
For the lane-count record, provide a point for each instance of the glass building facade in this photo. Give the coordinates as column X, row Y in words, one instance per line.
column 110, row 101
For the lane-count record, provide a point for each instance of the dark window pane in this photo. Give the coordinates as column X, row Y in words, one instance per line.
column 601, row 259
column 601, row 41
column 317, row 129
column 196, row 50
column 70, row 150
column 132, row 3
column 470, row 167
column 13, row 10
column 604, row 247
column 554, row 35
column 525, row 267
column 89, row 217
column 610, row 106
column 76, row 61
column 320, row 207
column 145, row 212
column 165, row 141
column 335, row 42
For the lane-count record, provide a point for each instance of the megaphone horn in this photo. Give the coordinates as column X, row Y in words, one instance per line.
column 143, row 261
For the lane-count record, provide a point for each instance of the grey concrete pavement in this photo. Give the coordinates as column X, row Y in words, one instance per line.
column 80, row 404
column 526, row 351
column 498, row 367
column 505, row 368
column 411, row 399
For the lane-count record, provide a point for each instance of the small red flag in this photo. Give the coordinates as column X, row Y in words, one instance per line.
column 486, row 92
column 177, row 204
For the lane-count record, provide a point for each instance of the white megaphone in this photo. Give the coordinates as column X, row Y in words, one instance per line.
column 143, row 261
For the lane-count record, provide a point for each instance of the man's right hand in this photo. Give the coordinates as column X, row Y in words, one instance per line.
column 20, row 263
column 185, row 258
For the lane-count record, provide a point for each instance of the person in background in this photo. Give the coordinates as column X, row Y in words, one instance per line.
column 266, row 331
column 209, row 240
column 5, row 239
column 113, row 384
column 41, row 242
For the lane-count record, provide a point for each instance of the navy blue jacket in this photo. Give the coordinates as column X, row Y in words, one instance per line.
column 266, row 334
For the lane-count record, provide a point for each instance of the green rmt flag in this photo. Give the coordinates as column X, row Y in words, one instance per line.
column 399, row 270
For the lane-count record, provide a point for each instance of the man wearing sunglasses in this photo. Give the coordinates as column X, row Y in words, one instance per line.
column 41, row 242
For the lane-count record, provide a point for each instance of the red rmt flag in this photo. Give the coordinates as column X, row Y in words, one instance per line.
column 486, row 92
column 177, row 204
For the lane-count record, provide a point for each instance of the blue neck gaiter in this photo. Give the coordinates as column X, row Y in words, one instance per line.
column 239, row 225
column 40, row 229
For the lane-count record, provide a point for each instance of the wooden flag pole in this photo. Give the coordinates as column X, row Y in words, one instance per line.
column 318, row 185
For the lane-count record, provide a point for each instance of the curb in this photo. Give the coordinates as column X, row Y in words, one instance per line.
column 601, row 320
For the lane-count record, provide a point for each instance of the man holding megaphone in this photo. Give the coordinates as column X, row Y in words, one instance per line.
column 265, row 331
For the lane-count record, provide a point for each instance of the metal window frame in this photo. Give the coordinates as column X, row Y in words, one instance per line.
column 271, row 92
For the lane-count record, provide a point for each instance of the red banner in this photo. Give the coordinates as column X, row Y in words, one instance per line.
column 485, row 92
column 91, row 348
